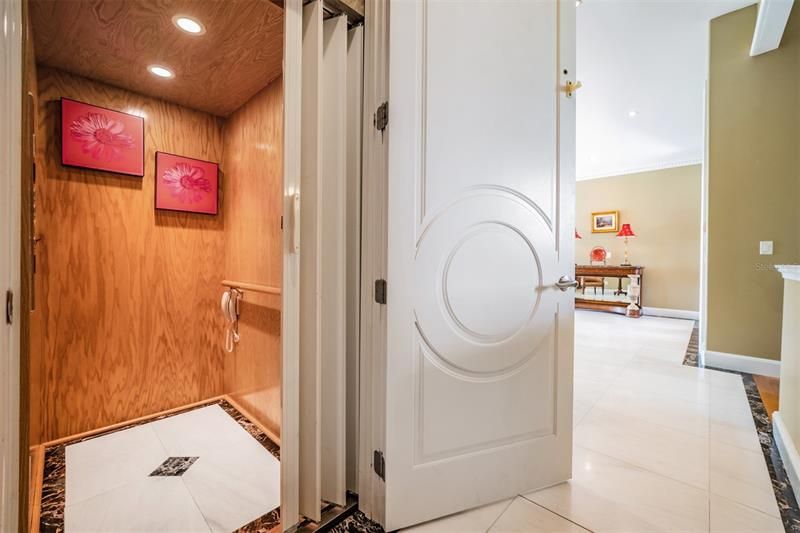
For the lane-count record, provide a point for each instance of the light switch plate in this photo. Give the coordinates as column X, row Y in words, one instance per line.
column 765, row 247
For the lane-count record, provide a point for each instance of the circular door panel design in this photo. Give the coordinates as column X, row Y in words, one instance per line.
column 488, row 280
column 482, row 302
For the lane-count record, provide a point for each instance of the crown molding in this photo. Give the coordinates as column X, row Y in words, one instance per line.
column 664, row 165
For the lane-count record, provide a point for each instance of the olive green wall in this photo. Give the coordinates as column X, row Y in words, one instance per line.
column 753, row 183
column 663, row 209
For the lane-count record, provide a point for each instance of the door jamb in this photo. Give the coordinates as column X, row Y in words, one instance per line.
column 372, row 386
column 703, row 304
column 290, row 311
column 10, row 183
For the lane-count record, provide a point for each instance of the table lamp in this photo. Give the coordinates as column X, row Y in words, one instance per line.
column 626, row 232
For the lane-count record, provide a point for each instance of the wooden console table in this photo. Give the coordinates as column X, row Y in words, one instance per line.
column 607, row 271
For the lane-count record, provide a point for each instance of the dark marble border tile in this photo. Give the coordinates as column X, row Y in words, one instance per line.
column 693, row 349
column 784, row 496
column 54, row 488
column 357, row 523
column 263, row 524
column 252, row 429
column 173, row 467
column 54, row 483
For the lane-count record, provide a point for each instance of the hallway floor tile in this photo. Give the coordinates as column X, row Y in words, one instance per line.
column 658, row 446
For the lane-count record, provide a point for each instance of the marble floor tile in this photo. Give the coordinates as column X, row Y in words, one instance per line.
column 472, row 521
column 676, row 414
column 594, row 371
column 606, row 494
column 646, row 444
column 524, row 516
column 197, row 431
column 731, row 517
column 586, row 394
column 100, row 464
column 640, row 379
column 233, row 489
column 731, row 420
column 741, row 476
column 157, row 504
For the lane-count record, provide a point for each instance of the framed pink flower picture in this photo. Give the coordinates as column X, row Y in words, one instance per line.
column 101, row 139
column 186, row 184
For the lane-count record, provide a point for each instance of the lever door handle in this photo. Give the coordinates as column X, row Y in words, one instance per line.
column 564, row 283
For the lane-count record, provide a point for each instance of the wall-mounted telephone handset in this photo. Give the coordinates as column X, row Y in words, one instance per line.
column 230, row 310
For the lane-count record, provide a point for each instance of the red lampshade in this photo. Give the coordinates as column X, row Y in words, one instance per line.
column 626, row 231
column 578, row 235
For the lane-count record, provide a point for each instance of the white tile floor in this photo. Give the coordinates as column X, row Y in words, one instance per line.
column 658, row 446
column 233, row 481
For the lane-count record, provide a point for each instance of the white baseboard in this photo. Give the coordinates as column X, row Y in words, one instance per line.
column 742, row 363
column 788, row 451
column 671, row 313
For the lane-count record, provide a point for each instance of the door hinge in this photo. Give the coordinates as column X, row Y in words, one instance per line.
column 380, row 291
column 381, row 117
column 9, row 307
column 379, row 464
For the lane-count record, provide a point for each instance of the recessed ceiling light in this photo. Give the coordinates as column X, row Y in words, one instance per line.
column 161, row 72
column 188, row 24
column 632, row 113
column 578, row 2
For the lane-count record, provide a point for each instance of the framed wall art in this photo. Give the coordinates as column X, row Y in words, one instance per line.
column 186, row 184
column 97, row 138
column 605, row 222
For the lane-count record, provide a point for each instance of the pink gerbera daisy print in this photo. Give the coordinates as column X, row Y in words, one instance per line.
column 100, row 136
column 187, row 183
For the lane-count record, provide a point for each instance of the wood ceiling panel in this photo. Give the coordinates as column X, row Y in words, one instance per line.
column 115, row 40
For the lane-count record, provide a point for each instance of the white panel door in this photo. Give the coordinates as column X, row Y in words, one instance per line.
column 480, row 229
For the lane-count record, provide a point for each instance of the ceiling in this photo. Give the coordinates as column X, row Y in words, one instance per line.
column 647, row 56
column 114, row 41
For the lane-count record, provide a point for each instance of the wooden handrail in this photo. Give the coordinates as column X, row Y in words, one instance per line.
column 252, row 287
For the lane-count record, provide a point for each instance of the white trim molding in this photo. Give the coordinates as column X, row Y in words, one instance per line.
column 742, row 363
column 789, row 272
column 671, row 313
column 770, row 25
column 788, row 452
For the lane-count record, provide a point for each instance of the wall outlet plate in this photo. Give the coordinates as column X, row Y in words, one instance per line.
column 765, row 247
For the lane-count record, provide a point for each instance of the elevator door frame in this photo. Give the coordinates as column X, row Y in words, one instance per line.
column 12, row 439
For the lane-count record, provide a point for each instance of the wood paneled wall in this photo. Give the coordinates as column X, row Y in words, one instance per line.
column 253, row 163
column 127, row 297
